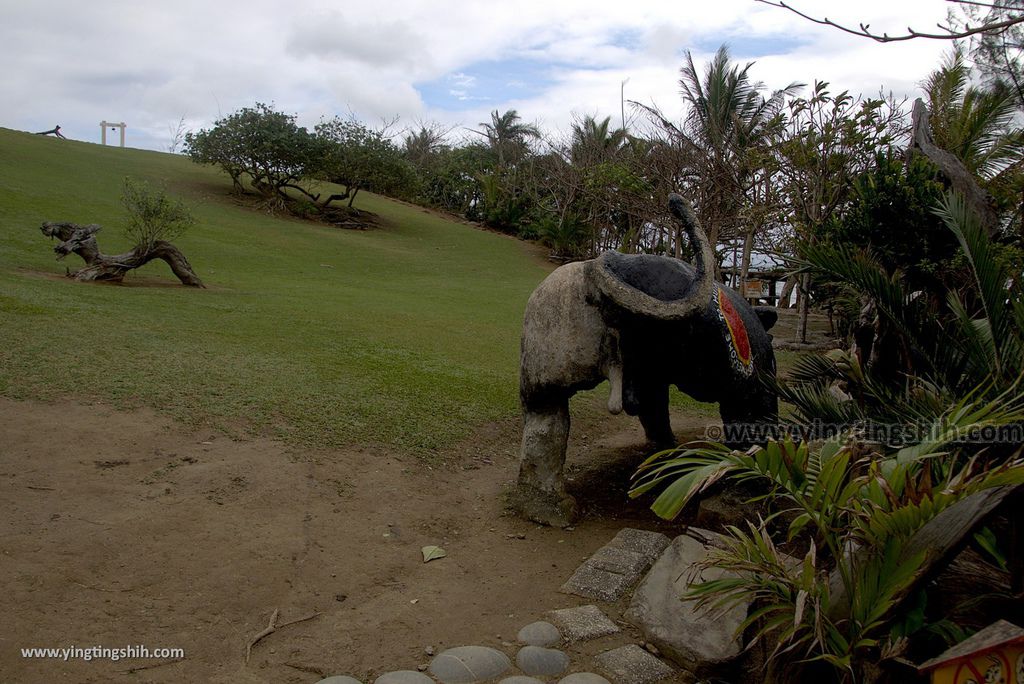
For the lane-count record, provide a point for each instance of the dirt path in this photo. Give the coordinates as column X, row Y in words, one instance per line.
column 125, row 529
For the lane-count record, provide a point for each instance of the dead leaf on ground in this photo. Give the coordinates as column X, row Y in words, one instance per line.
column 433, row 553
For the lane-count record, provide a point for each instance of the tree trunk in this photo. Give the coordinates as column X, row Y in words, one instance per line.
column 336, row 197
column 864, row 331
column 748, row 248
column 81, row 240
column 787, row 290
column 804, row 304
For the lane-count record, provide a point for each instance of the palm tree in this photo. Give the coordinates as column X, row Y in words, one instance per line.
column 594, row 159
column 976, row 124
column 508, row 136
column 728, row 127
column 593, row 141
column 422, row 144
column 506, row 197
column 970, row 347
column 727, row 113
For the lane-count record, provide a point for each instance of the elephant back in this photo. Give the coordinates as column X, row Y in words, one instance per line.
column 650, row 286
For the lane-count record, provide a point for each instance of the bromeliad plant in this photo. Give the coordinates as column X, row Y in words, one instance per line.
column 842, row 604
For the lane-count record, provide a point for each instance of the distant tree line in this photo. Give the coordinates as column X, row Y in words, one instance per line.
column 769, row 173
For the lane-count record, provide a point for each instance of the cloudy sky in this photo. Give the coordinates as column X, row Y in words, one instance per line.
column 150, row 64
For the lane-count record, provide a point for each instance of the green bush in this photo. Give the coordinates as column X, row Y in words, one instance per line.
column 152, row 214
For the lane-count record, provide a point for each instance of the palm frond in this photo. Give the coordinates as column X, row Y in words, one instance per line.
column 904, row 310
column 991, row 280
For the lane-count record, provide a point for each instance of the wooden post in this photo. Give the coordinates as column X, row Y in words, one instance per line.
column 803, row 307
column 103, row 133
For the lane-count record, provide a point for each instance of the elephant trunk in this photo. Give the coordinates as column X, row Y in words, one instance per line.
column 704, row 256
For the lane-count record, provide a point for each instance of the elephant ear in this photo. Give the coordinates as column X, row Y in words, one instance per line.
column 768, row 315
column 655, row 287
column 649, row 286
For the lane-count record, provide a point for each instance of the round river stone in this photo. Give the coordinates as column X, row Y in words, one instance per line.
column 584, row 678
column 403, row 677
column 519, row 679
column 546, row 662
column 469, row 664
column 539, row 634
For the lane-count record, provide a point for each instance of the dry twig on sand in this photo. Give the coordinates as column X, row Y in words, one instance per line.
column 272, row 627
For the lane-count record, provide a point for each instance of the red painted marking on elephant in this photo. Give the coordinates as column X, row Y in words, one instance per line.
column 740, row 341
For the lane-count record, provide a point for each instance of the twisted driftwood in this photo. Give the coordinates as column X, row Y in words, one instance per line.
column 958, row 175
column 81, row 240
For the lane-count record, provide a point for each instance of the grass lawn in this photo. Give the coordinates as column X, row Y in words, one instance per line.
column 405, row 336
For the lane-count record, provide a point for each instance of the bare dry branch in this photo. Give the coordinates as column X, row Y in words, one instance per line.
column 864, row 30
column 272, row 627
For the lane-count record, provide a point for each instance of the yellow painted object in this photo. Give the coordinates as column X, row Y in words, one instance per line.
column 995, row 655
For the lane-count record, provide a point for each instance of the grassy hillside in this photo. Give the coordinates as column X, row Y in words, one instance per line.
column 404, row 336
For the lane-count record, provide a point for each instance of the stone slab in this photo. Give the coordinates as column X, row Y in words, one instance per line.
column 583, row 623
column 620, row 561
column 616, row 566
column 592, row 582
column 703, row 643
column 647, row 544
column 632, row 665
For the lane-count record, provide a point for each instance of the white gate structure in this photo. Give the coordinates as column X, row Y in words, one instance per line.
column 105, row 124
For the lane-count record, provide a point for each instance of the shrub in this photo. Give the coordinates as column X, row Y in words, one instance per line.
column 153, row 215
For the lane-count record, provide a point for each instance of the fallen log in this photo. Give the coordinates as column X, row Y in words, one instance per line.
column 81, row 240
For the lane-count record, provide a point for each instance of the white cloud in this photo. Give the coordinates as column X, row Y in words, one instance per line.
column 334, row 36
column 149, row 64
column 462, row 80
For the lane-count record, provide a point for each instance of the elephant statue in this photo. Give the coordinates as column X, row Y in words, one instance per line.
column 642, row 322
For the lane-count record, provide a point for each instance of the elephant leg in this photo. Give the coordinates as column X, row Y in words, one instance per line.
column 654, row 418
column 540, row 494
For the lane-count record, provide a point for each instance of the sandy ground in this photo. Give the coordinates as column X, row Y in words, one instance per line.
column 124, row 528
